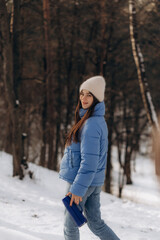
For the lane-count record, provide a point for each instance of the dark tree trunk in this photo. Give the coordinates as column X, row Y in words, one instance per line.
column 44, row 132
column 13, row 103
column 127, row 166
column 110, row 123
column 8, row 139
column 49, row 120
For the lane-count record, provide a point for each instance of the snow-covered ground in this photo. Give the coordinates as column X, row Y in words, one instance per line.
column 145, row 187
column 32, row 209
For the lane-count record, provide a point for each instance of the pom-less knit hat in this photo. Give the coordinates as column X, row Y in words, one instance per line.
column 95, row 85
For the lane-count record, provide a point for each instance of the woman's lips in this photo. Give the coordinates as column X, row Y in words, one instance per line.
column 85, row 103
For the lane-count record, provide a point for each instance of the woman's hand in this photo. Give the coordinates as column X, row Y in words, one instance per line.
column 74, row 198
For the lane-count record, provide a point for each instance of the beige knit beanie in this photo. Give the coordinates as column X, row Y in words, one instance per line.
column 95, row 85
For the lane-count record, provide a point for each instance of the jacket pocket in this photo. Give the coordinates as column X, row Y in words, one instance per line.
column 75, row 159
column 64, row 162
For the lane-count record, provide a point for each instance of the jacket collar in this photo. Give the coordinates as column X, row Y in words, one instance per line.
column 99, row 110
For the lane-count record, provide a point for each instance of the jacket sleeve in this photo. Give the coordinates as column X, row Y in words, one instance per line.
column 90, row 151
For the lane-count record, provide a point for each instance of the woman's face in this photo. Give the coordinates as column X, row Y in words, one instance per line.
column 86, row 99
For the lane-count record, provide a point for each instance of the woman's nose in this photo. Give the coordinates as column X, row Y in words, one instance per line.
column 84, row 97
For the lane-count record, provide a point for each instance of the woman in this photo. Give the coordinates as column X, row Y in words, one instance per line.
column 84, row 161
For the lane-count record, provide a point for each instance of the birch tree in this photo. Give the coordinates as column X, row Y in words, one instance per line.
column 139, row 61
column 141, row 73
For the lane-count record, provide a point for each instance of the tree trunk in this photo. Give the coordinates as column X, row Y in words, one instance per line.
column 127, row 165
column 8, row 139
column 44, row 131
column 105, row 59
column 103, row 33
column 110, row 123
column 50, row 91
column 13, row 103
column 139, row 61
column 156, row 149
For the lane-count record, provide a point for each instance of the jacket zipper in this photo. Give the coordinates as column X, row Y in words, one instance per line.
column 71, row 160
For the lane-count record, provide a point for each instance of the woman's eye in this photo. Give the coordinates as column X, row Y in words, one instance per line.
column 87, row 95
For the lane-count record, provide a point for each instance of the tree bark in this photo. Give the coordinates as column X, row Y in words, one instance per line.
column 139, row 61
column 110, row 123
column 13, row 103
column 146, row 95
column 49, row 119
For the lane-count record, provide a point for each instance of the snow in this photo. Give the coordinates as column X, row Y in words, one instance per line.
column 145, row 187
column 31, row 209
column 9, row 233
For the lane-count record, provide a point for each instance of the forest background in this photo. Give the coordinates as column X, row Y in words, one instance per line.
column 47, row 49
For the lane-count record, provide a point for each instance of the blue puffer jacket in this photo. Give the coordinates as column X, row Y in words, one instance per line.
column 84, row 163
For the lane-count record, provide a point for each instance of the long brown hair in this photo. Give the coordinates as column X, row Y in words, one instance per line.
column 79, row 121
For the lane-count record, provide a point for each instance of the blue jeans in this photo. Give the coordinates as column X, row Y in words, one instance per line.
column 91, row 206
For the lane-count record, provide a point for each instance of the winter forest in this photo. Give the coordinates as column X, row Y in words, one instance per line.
column 47, row 49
